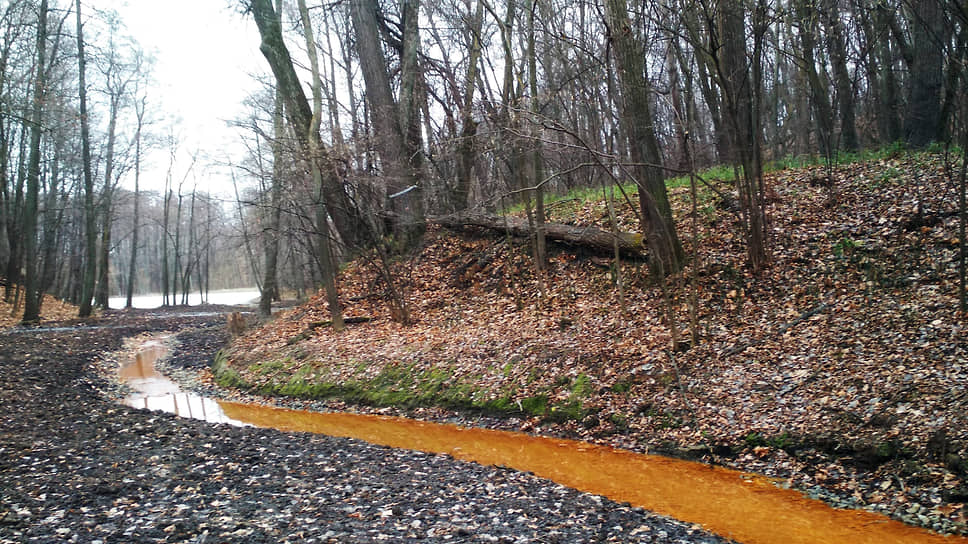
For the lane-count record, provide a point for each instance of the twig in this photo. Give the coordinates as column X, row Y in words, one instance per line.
column 682, row 389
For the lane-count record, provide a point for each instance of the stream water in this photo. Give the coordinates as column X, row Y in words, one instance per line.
column 744, row 507
column 221, row 296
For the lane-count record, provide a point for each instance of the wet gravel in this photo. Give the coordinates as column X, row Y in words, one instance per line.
column 77, row 467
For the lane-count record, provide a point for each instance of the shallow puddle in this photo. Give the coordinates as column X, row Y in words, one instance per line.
column 154, row 391
column 740, row 506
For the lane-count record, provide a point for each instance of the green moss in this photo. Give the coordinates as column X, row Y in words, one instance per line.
column 565, row 411
column 780, row 441
column 619, row 420
column 225, row 375
column 536, row 405
column 263, row 368
column 404, row 386
column 582, row 387
column 500, row 405
column 621, row 387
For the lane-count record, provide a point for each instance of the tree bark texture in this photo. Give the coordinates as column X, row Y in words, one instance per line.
column 468, row 135
column 327, row 264
column 269, row 290
column 823, row 111
column 636, row 116
column 31, row 255
column 837, row 45
column 90, row 213
column 922, row 124
column 736, row 82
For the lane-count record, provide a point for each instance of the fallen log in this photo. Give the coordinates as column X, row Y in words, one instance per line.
column 592, row 238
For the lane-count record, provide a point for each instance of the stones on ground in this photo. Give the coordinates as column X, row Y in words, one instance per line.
column 76, row 467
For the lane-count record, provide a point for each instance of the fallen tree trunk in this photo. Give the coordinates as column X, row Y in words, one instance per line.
column 591, row 238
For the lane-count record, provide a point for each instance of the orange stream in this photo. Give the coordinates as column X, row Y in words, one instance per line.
column 740, row 506
column 733, row 504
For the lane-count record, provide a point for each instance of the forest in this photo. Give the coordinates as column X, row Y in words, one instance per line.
column 380, row 118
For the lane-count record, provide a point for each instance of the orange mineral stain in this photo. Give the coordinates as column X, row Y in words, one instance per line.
column 736, row 505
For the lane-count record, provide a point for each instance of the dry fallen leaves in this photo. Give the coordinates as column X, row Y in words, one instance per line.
column 850, row 338
column 52, row 310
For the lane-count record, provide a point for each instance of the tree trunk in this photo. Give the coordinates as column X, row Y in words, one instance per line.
column 176, row 264
column 15, row 222
column 535, row 161
column 90, row 213
column 53, row 215
column 665, row 250
column 166, row 301
column 465, row 145
column 343, row 209
column 133, row 263
column 837, row 45
column 269, row 288
column 888, row 119
column 952, row 78
column 823, row 112
column 736, row 82
column 394, row 139
column 31, row 279
column 102, row 290
column 327, row 264
column 922, row 124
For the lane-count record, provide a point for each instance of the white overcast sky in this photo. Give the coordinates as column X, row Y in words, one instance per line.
column 206, row 55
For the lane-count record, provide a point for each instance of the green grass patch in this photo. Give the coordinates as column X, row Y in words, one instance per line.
column 887, row 151
column 536, row 405
column 264, row 368
column 569, row 203
column 401, row 386
column 569, row 410
column 780, row 441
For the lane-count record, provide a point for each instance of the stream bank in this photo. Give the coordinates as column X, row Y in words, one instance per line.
column 815, row 465
column 76, row 466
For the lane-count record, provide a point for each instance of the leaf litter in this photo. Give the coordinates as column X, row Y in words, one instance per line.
column 840, row 370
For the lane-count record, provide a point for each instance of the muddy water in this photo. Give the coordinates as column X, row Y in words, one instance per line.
column 744, row 507
column 154, row 391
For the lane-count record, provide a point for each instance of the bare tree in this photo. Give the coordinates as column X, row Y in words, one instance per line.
column 31, row 280
column 665, row 250
column 269, row 289
column 133, row 263
column 327, row 263
column 90, row 213
column 396, row 123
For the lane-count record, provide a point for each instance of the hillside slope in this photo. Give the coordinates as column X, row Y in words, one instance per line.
column 842, row 368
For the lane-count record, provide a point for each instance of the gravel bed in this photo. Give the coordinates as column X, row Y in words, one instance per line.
column 75, row 466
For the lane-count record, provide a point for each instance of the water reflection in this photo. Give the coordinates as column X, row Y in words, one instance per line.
column 154, row 391
column 743, row 507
